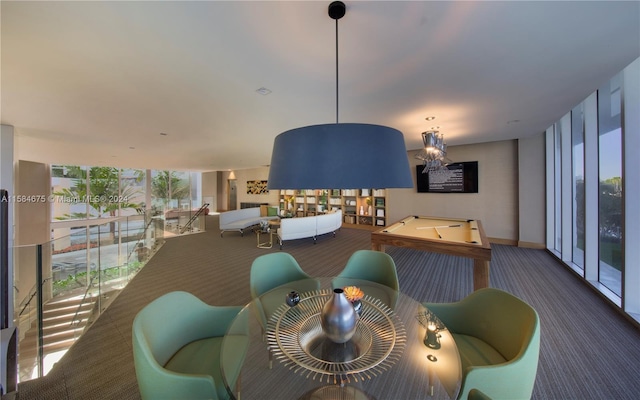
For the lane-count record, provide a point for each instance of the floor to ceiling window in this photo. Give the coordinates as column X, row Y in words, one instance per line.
column 557, row 135
column 610, row 185
column 68, row 188
column 602, row 209
column 132, row 191
column 107, row 205
column 578, row 203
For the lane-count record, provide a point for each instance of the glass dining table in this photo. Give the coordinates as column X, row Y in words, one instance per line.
column 399, row 351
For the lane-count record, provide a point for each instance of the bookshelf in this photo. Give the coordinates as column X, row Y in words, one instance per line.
column 361, row 208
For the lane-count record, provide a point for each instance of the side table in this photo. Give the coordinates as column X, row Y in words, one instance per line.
column 271, row 228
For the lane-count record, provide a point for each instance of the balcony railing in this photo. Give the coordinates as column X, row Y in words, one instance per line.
column 74, row 278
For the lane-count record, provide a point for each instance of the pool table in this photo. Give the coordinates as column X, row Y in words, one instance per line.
column 458, row 237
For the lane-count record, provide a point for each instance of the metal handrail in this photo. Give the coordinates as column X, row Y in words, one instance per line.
column 33, row 291
column 193, row 217
column 141, row 238
column 86, row 292
column 90, row 283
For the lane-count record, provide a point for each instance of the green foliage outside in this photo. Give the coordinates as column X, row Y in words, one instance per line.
column 102, row 193
column 168, row 185
column 611, row 253
column 610, row 220
column 79, row 280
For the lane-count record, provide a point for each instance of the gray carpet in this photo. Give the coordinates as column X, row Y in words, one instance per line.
column 588, row 351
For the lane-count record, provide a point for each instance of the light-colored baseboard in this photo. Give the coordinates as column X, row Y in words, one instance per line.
column 531, row 245
column 518, row 243
column 508, row 242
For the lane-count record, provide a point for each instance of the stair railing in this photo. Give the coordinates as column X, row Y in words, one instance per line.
column 193, row 218
column 24, row 304
column 66, row 277
column 139, row 243
column 84, row 297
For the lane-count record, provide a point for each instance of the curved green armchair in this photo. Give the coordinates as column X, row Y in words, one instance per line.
column 373, row 266
column 498, row 338
column 281, row 271
column 176, row 348
column 475, row 394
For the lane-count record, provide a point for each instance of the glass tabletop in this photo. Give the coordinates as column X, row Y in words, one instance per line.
column 296, row 337
column 404, row 364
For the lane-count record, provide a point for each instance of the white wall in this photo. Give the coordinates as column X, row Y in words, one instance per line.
column 495, row 204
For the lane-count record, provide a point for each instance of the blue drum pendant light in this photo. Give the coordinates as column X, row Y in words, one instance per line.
column 339, row 156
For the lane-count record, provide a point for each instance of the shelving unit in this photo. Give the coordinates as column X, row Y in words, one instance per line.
column 361, row 208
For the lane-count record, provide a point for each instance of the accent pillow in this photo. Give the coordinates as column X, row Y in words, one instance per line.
column 272, row 211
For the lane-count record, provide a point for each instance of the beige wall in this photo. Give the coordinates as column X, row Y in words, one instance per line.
column 7, row 165
column 510, row 199
column 32, row 179
column 254, row 174
column 33, row 224
column 209, row 189
column 495, row 204
column 531, row 187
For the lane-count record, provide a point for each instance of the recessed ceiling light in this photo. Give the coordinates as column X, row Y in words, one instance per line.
column 263, row 91
column 163, row 134
column 430, row 118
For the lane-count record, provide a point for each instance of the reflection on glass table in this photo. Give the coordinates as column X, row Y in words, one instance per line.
column 297, row 338
column 412, row 370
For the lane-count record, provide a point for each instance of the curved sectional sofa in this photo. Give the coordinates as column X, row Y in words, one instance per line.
column 239, row 220
column 306, row 227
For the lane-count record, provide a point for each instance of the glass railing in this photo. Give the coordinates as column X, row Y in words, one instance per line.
column 180, row 222
column 73, row 279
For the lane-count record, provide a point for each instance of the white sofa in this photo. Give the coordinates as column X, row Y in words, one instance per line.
column 238, row 220
column 305, row 227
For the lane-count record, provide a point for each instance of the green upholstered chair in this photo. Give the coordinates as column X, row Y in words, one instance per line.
column 498, row 338
column 274, row 275
column 176, row 348
column 374, row 266
column 475, row 394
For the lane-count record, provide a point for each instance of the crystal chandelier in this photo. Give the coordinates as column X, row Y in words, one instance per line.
column 434, row 154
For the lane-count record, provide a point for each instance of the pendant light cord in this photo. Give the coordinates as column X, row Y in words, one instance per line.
column 337, row 97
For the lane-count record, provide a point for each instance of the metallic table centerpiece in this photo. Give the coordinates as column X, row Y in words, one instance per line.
column 338, row 318
column 296, row 337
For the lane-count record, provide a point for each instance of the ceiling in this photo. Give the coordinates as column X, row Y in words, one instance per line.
column 172, row 85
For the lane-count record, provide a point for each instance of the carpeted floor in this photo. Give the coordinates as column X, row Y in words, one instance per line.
column 588, row 351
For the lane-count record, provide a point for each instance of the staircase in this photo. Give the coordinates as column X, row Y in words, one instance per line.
column 59, row 332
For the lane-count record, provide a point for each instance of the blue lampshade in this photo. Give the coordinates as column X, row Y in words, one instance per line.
column 340, row 156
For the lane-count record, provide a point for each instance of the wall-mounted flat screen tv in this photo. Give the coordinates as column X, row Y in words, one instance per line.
column 461, row 177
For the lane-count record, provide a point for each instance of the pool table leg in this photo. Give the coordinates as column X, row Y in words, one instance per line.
column 377, row 247
column 480, row 274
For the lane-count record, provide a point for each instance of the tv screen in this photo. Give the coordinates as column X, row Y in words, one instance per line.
column 461, row 177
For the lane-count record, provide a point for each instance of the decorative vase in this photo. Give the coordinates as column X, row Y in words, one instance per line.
column 264, row 225
column 338, row 318
column 292, row 299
